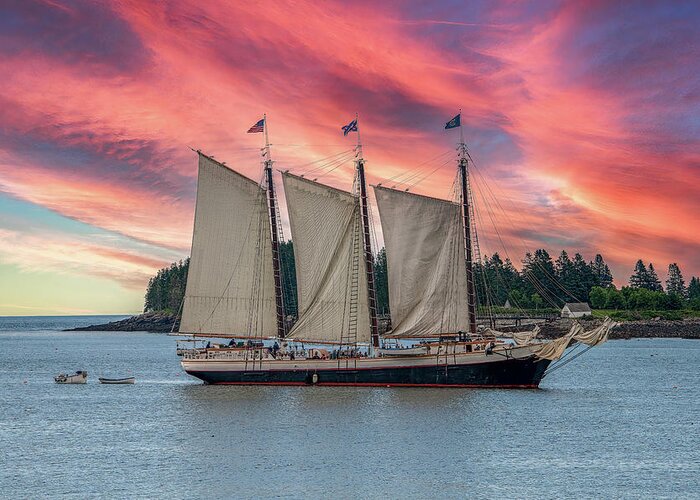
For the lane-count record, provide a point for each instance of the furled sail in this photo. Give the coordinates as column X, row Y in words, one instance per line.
column 424, row 244
column 328, row 252
column 230, row 285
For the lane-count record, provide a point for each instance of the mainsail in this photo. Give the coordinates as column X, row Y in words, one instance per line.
column 328, row 250
column 424, row 243
column 230, row 287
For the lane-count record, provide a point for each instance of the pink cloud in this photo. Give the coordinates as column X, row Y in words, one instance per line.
column 590, row 160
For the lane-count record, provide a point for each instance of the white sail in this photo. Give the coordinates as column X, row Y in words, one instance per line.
column 325, row 224
column 230, row 285
column 424, row 243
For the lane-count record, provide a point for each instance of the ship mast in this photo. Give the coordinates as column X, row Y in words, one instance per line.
column 367, row 244
column 462, row 165
column 272, row 208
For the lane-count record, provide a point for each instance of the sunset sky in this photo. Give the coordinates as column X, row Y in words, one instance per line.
column 583, row 118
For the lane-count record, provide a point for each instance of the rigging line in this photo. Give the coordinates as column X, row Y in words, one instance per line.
column 340, row 164
column 555, row 281
column 410, row 171
column 331, row 163
column 325, row 158
column 424, row 177
column 476, row 217
column 418, row 173
column 498, row 234
column 566, row 362
column 308, row 145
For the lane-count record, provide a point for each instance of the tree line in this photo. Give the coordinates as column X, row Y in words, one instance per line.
column 645, row 291
column 542, row 282
column 166, row 289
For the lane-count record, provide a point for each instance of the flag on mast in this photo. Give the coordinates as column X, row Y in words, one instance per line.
column 258, row 127
column 454, row 122
column 350, row 127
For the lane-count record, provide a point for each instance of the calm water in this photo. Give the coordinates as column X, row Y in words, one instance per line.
column 621, row 421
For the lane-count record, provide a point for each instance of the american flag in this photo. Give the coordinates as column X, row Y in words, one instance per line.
column 258, row 127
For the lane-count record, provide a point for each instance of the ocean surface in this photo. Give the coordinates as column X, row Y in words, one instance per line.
column 622, row 421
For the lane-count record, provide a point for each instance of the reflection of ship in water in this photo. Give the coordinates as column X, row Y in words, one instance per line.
column 234, row 288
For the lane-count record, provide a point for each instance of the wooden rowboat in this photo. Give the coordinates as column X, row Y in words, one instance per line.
column 126, row 380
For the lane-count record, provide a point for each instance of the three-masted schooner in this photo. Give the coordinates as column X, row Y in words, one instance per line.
column 234, row 288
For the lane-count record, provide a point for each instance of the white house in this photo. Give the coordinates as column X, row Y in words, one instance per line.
column 575, row 310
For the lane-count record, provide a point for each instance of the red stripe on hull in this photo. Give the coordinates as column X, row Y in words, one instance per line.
column 370, row 384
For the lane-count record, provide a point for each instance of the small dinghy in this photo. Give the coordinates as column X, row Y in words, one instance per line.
column 79, row 377
column 126, row 380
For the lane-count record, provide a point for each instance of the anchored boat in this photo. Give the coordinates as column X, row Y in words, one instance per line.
column 79, row 377
column 234, row 287
column 125, row 380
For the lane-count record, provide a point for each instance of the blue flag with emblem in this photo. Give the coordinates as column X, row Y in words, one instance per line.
column 454, row 122
column 350, row 127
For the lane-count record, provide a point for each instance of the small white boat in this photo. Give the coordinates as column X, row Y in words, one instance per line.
column 79, row 377
column 126, row 380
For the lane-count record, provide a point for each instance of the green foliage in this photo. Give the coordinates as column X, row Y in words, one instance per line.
column 166, row 289
column 694, row 289
column 540, row 276
column 674, row 283
column 601, row 271
column 289, row 278
column 645, row 278
column 493, row 280
column 598, row 297
column 381, row 282
column 542, row 283
column 640, row 276
column 653, row 283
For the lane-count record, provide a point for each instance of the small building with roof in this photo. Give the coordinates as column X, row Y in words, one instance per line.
column 575, row 310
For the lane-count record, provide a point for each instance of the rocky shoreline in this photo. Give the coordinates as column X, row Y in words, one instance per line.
column 155, row 322
column 689, row 328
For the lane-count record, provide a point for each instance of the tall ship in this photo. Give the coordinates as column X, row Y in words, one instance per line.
column 235, row 288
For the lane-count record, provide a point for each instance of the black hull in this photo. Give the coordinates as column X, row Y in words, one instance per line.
column 511, row 373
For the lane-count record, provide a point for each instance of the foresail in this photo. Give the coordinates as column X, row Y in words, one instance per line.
column 325, row 225
column 230, row 285
column 425, row 258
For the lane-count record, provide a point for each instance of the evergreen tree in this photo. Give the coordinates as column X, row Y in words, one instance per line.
column 584, row 278
column 694, row 288
column 539, row 272
column 289, row 278
column 694, row 293
column 566, row 274
column 166, row 289
column 381, row 282
column 640, row 276
column 653, row 281
column 675, row 283
column 601, row 271
column 493, row 280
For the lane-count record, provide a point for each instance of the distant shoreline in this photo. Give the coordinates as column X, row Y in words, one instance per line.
column 155, row 322
column 689, row 328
